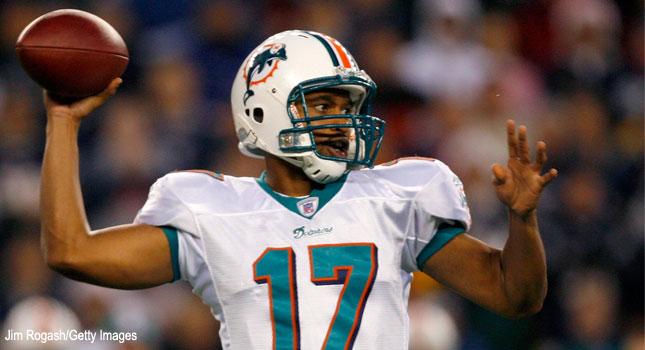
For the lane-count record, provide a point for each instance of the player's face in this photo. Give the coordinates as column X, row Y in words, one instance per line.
column 333, row 141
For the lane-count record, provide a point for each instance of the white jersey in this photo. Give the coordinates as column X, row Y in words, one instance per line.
column 328, row 271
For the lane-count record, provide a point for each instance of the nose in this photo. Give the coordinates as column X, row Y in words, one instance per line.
column 337, row 109
column 336, row 125
column 339, row 120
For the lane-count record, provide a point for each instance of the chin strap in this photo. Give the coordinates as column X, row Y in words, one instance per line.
column 322, row 171
column 250, row 152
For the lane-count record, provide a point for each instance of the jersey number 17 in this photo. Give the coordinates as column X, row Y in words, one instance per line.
column 354, row 265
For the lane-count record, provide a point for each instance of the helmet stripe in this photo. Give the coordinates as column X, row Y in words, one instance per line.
column 340, row 50
column 327, row 46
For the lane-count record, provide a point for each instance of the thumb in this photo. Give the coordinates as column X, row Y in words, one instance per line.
column 499, row 174
column 87, row 105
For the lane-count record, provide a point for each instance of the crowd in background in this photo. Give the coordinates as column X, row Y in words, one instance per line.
column 450, row 72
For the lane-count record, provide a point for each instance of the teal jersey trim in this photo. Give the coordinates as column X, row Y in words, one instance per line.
column 277, row 268
column 355, row 267
column 173, row 241
column 444, row 235
column 324, row 195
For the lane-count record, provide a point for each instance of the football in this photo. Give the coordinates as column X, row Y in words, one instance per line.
column 72, row 53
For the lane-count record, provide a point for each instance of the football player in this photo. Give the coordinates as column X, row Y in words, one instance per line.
column 318, row 252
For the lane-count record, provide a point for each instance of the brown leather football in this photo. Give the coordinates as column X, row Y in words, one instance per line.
column 72, row 53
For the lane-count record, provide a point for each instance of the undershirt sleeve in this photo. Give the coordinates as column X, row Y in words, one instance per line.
column 445, row 234
column 173, row 242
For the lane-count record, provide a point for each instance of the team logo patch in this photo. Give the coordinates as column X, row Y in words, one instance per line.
column 304, row 232
column 460, row 189
column 262, row 66
column 308, row 206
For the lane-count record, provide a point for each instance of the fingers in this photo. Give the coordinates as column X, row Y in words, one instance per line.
column 499, row 174
column 549, row 176
column 540, row 157
column 518, row 146
column 539, row 163
column 523, row 145
column 511, row 138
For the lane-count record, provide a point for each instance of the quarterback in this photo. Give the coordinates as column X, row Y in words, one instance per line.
column 318, row 252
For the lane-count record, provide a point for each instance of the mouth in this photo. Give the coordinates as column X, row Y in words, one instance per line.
column 335, row 147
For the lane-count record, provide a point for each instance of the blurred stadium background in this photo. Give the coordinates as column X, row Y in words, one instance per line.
column 450, row 73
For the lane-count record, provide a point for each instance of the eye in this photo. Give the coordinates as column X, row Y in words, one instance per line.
column 321, row 107
column 349, row 109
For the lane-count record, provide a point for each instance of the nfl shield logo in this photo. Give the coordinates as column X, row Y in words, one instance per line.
column 308, row 206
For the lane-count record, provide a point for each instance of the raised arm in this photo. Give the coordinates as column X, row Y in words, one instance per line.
column 128, row 256
column 512, row 281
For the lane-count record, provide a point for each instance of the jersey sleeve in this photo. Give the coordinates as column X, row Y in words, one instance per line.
column 189, row 264
column 194, row 270
column 440, row 213
column 164, row 208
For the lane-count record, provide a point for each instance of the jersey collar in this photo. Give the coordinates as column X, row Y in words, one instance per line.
column 306, row 206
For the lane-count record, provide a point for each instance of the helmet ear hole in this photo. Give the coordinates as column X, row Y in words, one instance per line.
column 258, row 114
column 247, row 112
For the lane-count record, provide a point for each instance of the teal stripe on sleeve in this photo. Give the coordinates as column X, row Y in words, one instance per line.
column 173, row 241
column 443, row 236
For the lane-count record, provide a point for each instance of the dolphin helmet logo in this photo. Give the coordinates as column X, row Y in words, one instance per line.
column 263, row 65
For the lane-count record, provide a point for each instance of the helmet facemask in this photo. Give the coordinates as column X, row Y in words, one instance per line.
column 351, row 138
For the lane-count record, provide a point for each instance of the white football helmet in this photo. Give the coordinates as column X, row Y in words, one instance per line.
column 276, row 75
